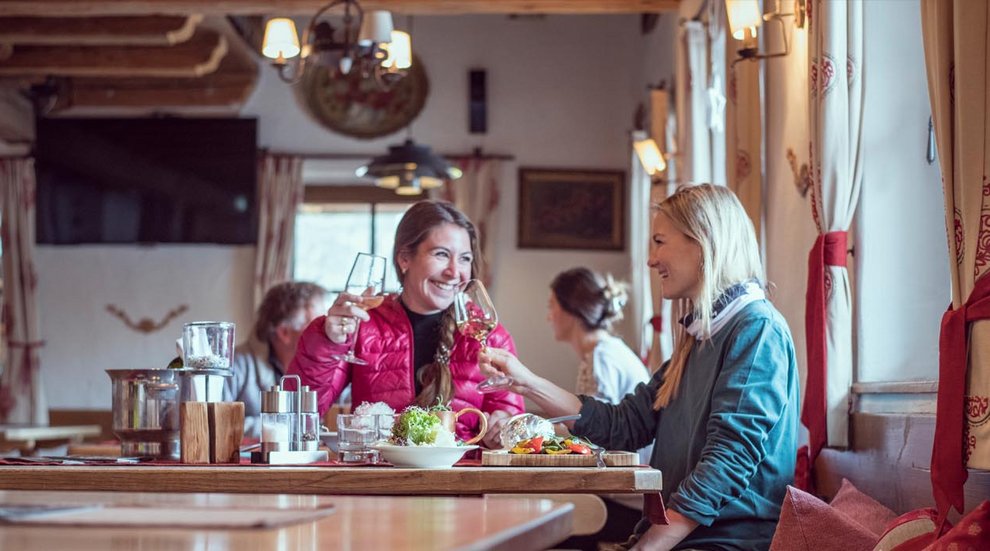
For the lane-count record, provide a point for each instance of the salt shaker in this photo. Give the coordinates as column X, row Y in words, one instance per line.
column 290, row 426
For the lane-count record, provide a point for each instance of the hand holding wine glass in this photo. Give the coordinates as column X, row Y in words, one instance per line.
column 363, row 291
column 476, row 318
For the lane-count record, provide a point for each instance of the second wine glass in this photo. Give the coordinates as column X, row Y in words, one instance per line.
column 367, row 278
column 476, row 318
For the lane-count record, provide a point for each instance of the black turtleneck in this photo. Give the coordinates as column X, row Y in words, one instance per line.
column 426, row 338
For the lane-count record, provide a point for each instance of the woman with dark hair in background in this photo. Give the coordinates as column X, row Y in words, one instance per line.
column 414, row 353
column 583, row 310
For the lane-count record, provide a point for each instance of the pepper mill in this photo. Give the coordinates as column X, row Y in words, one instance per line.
column 290, row 426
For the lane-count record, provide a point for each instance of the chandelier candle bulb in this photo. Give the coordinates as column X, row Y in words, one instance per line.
column 376, row 26
column 281, row 40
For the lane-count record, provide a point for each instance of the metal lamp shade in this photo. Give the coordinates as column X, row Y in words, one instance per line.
column 409, row 168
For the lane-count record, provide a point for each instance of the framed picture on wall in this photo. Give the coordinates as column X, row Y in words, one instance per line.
column 571, row 209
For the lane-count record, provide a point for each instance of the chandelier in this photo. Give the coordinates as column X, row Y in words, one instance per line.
column 364, row 42
column 409, row 168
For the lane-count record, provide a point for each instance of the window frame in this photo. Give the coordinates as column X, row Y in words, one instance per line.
column 352, row 195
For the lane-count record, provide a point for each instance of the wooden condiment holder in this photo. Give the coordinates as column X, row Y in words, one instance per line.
column 226, row 431
column 194, row 432
column 211, row 432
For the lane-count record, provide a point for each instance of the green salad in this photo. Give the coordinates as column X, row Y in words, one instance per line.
column 416, row 427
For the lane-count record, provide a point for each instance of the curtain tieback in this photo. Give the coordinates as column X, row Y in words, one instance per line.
column 948, row 465
column 829, row 250
column 657, row 323
column 835, row 249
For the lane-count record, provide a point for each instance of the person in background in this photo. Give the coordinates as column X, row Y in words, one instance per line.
column 415, row 355
column 583, row 308
column 723, row 412
column 261, row 360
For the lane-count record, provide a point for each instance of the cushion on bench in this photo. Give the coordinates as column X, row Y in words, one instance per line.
column 852, row 521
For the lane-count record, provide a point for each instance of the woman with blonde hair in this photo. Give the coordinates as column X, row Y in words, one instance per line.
column 723, row 412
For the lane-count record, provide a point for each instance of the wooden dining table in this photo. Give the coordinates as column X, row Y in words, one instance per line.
column 155, row 521
column 330, row 479
column 26, row 437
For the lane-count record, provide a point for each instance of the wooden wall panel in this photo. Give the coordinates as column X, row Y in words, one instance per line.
column 889, row 460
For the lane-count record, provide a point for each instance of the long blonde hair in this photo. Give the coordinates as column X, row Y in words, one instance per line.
column 712, row 217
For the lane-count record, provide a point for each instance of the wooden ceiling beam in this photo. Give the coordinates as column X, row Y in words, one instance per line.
column 211, row 91
column 158, row 30
column 198, row 56
column 64, row 8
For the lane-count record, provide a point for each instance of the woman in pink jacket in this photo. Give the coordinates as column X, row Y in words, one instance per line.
column 414, row 353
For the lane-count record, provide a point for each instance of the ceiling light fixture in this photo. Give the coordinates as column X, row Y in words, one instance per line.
column 409, row 168
column 368, row 44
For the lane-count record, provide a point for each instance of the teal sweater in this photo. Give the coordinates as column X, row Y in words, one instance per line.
column 727, row 443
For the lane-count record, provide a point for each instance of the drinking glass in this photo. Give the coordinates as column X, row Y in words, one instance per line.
column 355, row 435
column 367, row 278
column 476, row 318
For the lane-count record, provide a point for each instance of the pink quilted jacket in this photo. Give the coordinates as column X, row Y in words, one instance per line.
column 385, row 342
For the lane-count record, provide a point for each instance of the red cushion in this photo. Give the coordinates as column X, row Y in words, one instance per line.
column 915, row 531
column 971, row 533
column 807, row 522
column 863, row 509
column 911, row 531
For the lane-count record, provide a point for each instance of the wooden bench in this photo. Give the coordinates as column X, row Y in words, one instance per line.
column 889, row 459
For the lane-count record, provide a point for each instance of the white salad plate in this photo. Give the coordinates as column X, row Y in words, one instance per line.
column 422, row 457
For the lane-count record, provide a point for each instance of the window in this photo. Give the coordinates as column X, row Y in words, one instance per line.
column 332, row 226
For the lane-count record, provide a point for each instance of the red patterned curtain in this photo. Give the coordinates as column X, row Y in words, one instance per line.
column 957, row 53
column 22, row 398
column 476, row 194
column 835, row 52
column 280, row 191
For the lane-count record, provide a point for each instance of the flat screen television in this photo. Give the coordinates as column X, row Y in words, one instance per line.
column 164, row 180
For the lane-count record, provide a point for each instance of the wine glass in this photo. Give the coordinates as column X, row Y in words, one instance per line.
column 367, row 278
column 476, row 318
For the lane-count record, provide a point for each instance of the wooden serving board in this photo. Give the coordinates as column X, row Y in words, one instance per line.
column 502, row 458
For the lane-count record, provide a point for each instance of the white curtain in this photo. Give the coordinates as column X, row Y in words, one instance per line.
column 476, row 194
column 957, row 59
column 280, row 191
column 836, row 99
column 743, row 128
column 22, row 398
column 694, row 147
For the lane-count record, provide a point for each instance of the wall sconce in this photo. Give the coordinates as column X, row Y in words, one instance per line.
column 744, row 18
column 369, row 43
column 649, row 154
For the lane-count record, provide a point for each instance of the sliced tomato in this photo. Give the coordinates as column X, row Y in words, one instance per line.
column 535, row 443
column 579, row 448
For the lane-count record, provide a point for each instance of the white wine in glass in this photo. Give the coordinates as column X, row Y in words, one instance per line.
column 367, row 278
column 476, row 318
